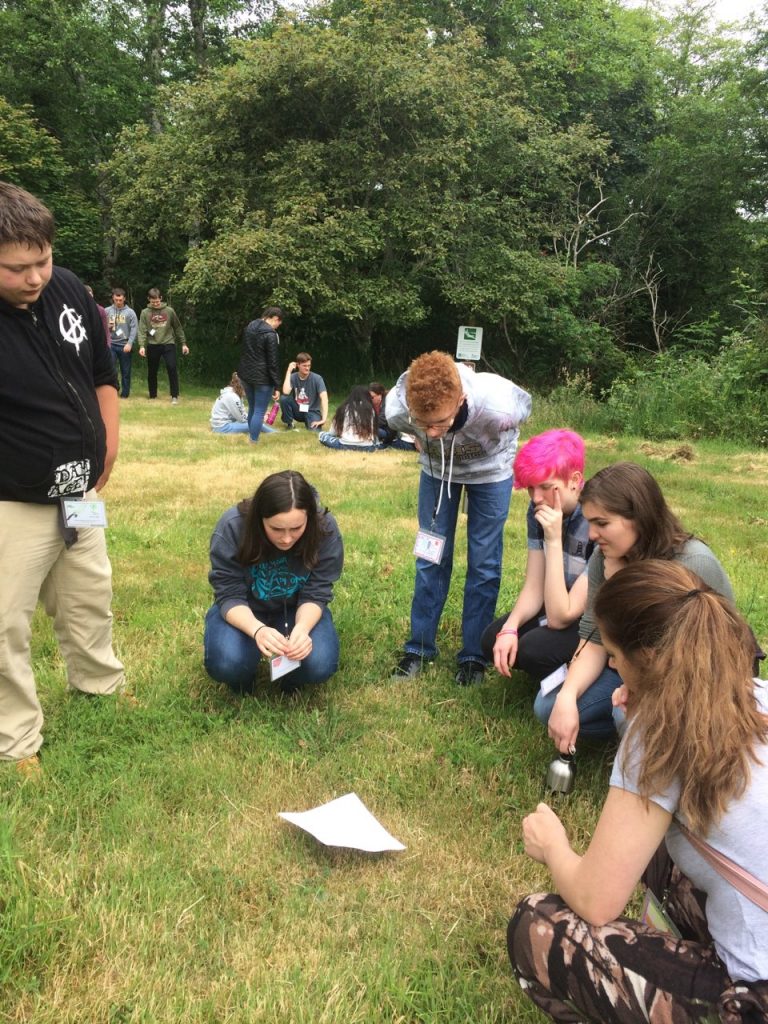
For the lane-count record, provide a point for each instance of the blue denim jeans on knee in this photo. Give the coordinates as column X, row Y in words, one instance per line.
column 258, row 396
column 487, row 509
column 233, row 658
column 594, row 705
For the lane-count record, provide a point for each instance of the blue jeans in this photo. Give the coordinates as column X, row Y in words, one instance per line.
column 289, row 411
column 124, row 361
column 231, row 428
column 488, row 507
column 258, row 396
column 332, row 441
column 233, row 658
column 595, row 708
column 241, row 428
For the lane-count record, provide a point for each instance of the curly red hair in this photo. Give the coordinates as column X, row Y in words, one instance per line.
column 433, row 381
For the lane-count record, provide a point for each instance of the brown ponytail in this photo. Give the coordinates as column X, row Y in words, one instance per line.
column 692, row 697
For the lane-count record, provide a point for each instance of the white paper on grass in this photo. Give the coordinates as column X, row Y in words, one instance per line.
column 345, row 822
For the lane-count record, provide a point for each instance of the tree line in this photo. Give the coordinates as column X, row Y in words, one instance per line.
column 588, row 182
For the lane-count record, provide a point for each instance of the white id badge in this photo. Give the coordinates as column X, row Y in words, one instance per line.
column 548, row 683
column 281, row 666
column 79, row 512
column 303, row 406
column 429, row 546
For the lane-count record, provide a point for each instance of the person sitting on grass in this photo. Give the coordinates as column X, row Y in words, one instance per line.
column 305, row 396
column 274, row 560
column 228, row 414
column 354, row 425
column 388, row 437
column 629, row 520
column 541, row 632
column 692, row 770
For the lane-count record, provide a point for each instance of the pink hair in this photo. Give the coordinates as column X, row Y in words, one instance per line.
column 557, row 453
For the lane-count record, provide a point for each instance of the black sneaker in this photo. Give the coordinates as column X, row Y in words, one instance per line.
column 410, row 665
column 470, row 673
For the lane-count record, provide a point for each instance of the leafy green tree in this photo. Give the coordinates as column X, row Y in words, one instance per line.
column 355, row 172
column 31, row 157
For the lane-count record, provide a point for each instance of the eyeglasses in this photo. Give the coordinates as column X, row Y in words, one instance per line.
column 442, row 424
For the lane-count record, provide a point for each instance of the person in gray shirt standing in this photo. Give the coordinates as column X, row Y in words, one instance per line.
column 123, row 327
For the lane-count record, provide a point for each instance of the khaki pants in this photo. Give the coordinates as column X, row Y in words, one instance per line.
column 75, row 587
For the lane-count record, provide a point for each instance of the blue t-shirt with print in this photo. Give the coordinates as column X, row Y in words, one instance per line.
column 274, row 580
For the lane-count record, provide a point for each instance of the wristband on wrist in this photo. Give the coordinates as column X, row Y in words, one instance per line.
column 507, row 632
column 262, row 626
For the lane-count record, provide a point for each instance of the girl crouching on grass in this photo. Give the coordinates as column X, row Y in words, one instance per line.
column 355, row 424
column 274, row 560
column 692, row 767
column 629, row 521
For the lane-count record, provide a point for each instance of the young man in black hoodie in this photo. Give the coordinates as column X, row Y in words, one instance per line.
column 58, row 443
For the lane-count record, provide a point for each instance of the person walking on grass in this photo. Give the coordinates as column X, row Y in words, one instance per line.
column 59, row 413
column 259, row 368
column 123, row 325
column 466, row 425
column 159, row 331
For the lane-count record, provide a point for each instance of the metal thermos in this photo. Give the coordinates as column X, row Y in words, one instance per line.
column 561, row 774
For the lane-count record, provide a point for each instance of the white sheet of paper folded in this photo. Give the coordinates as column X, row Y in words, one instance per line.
column 345, row 822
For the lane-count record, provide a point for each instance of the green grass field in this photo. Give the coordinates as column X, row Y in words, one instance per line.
column 146, row 877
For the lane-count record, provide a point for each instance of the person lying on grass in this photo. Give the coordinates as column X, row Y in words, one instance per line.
column 692, row 766
column 274, row 560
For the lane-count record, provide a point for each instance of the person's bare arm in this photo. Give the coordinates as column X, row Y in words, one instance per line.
column 586, row 665
column 109, row 407
column 287, row 379
column 323, row 410
column 598, row 885
column 528, row 604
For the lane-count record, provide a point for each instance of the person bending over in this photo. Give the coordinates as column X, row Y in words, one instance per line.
column 354, row 425
column 274, row 560
column 629, row 520
column 467, row 425
column 692, row 769
column 541, row 632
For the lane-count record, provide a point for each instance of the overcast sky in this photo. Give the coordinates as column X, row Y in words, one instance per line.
column 724, row 10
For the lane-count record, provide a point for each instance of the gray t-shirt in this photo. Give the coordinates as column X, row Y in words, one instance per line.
column 307, row 394
column 737, row 925
column 694, row 555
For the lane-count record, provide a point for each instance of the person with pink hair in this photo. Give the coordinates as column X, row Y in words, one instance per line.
column 541, row 632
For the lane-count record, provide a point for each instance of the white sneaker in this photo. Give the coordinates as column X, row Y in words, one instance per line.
column 174, row 401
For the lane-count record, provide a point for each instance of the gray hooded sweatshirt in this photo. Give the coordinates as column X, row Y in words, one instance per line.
column 483, row 449
column 227, row 409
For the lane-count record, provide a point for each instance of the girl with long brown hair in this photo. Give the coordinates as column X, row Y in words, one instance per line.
column 692, row 767
column 629, row 520
column 274, row 560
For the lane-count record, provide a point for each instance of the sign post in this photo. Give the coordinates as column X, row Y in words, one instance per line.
column 469, row 344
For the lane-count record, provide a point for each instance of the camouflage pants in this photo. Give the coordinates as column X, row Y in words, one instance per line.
column 626, row 971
